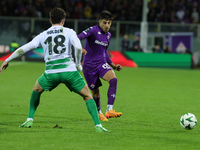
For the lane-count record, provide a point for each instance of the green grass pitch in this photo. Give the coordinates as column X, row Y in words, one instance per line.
column 152, row 101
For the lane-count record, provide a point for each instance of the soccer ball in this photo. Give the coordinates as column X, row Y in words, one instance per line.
column 188, row 121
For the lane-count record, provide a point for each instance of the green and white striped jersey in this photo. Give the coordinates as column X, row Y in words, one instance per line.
column 57, row 44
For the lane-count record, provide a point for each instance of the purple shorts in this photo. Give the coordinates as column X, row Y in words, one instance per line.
column 92, row 74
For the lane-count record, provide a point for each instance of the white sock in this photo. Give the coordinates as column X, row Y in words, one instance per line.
column 109, row 107
column 29, row 119
column 98, row 125
column 100, row 111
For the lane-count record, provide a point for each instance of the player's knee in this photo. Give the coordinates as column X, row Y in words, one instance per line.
column 113, row 82
column 37, row 87
column 38, row 90
column 87, row 97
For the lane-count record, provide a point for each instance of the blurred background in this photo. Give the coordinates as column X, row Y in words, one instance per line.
column 172, row 26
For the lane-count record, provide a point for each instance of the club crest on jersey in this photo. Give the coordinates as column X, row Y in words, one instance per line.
column 92, row 85
column 99, row 32
column 108, row 37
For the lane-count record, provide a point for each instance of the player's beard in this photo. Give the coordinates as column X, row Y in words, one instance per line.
column 106, row 30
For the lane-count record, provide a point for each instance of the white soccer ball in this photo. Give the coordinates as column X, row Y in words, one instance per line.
column 188, row 121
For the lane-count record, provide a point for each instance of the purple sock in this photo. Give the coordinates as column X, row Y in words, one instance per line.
column 112, row 91
column 98, row 102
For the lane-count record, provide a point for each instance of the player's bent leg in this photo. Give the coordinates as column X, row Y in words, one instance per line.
column 110, row 113
column 85, row 93
column 109, row 75
column 111, row 94
column 92, row 108
column 112, row 90
column 35, row 99
column 37, row 87
column 98, row 103
column 33, row 104
column 96, row 97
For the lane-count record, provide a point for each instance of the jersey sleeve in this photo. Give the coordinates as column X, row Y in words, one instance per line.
column 109, row 61
column 25, row 48
column 36, row 40
column 78, row 48
column 86, row 33
column 75, row 41
column 21, row 50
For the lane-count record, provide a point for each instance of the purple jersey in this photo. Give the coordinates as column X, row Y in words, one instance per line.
column 96, row 45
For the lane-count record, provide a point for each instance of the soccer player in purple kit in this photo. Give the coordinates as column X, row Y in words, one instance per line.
column 96, row 63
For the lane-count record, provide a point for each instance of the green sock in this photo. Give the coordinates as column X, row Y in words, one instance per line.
column 92, row 109
column 34, row 102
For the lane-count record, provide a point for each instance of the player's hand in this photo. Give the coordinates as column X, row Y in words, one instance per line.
column 79, row 68
column 117, row 67
column 3, row 66
column 84, row 51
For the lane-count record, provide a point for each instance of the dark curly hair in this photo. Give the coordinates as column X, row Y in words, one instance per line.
column 105, row 14
column 56, row 15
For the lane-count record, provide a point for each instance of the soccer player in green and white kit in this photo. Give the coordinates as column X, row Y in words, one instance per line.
column 59, row 65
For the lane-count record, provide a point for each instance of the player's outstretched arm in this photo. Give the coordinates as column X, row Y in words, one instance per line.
column 3, row 66
column 17, row 53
